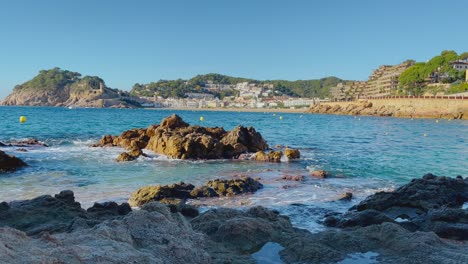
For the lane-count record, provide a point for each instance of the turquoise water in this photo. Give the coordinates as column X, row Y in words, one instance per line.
column 368, row 153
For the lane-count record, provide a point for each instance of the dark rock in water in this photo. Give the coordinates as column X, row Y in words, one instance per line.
column 148, row 194
column 22, row 150
column 124, row 156
column 272, row 156
column 2, row 144
column 203, row 191
column 28, row 143
column 430, row 192
column 320, row 174
column 293, row 178
column 352, row 219
column 432, row 203
column 234, row 186
column 10, row 163
column 178, row 193
column 347, row 196
column 292, row 153
column 53, row 214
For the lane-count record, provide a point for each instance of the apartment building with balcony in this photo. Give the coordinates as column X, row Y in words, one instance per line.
column 384, row 80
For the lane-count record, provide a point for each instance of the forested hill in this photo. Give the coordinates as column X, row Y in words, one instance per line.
column 178, row 88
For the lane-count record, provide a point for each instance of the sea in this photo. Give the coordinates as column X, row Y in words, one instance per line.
column 364, row 154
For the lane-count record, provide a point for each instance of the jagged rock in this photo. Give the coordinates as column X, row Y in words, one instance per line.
column 148, row 194
column 242, row 231
column 432, row 203
column 124, row 156
column 31, row 142
column 176, row 139
column 102, row 210
column 292, row 153
column 54, row 214
column 320, row 174
column 272, row 156
column 172, row 122
column 430, row 192
column 242, row 139
column 10, row 163
column 176, row 194
column 140, row 237
column 234, row 186
column 203, row 191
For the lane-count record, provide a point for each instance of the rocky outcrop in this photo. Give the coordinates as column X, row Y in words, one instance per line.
column 10, row 163
column 56, row 87
column 176, row 139
column 162, row 234
column 432, row 203
column 31, row 142
column 179, row 192
column 272, row 156
column 57, row 213
column 397, row 107
column 292, row 153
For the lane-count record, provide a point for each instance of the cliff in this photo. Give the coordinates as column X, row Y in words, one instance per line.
column 56, row 87
column 451, row 108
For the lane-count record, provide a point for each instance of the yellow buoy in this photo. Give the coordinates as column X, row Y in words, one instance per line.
column 22, row 119
column 437, row 120
column 202, row 118
column 281, row 118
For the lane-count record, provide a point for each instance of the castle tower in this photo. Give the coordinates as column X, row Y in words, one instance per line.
column 101, row 87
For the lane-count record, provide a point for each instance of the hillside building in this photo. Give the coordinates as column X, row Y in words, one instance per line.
column 384, row 80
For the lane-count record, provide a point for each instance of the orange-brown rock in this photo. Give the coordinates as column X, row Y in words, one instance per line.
column 320, row 174
column 176, row 139
column 272, row 156
column 292, row 153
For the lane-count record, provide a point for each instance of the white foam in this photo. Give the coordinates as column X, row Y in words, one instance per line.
column 465, row 205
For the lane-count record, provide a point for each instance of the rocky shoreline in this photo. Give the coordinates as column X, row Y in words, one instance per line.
column 405, row 108
column 55, row 229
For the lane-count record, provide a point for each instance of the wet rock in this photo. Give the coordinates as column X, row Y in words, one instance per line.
column 22, row 150
column 203, row 191
column 320, row 174
column 54, row 214
column 10, row 163
column 242, row 231
column 103, row 210
column 346, row 196
column 148, row 194
column 272, row 156
column 448, row 223
column 138, row 237
column 106, row 141
column 292, row 153
column 293, row 178
column 234, row 186
column 32, row 142
column 429, row 192
column 124, row 156
column 353, row 219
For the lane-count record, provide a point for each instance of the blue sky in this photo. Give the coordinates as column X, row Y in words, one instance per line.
column 125, row 42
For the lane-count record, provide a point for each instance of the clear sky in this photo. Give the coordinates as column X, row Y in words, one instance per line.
column 125, row 42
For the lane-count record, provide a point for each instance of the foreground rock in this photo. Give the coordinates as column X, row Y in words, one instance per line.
column 432, row 203
column 159, row 234
column 176, row 139
column 179, row 192
column 56, row 214
column 10, row 163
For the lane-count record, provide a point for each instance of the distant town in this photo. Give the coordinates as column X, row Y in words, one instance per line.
column 447, row 76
